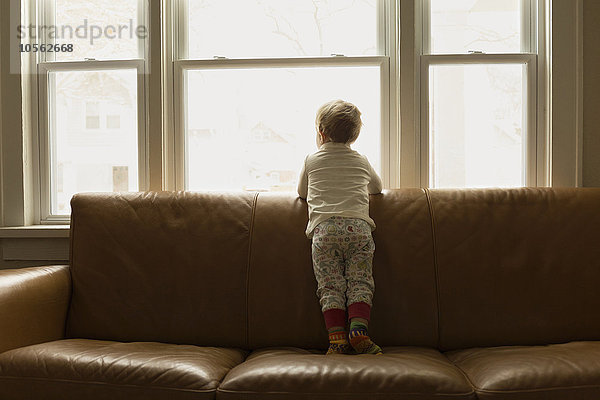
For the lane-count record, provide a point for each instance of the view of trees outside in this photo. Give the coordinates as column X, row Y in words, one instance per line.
column 93, row 114
column 476, row 112
column 281, row 28
column 251, row 129
column 492, row 26
column 104, row 15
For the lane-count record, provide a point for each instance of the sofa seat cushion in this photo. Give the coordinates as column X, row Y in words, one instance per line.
column 93, row 369
column 558, row 371
column 292, row 373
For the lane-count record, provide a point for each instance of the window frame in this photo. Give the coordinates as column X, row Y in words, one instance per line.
column 559, row 113
column 529, row 177
column 47, row 150
column 388, row 62
column 44, row 65
column 531, row 55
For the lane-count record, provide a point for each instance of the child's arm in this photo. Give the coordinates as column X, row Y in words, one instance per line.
column 375, row 185
column 303, row 182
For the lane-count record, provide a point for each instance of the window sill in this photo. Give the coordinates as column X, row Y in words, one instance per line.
column 35, row 243
column 35, row 231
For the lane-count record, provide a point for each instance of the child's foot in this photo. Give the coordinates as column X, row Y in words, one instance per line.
column 360, row 340
column 338, row 343
column 338, row 348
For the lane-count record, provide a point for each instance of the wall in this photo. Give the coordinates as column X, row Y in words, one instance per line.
column 11, row 143
column 591, row 93
column 45, row 246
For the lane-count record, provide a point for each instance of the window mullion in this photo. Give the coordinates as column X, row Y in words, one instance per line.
column 425, row 15
column 526, row 26
column 47, row 15
column 390, row 101
column 531, row 122
column 183, row 42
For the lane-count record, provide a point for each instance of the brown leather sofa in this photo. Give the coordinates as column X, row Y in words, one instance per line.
column 489, row 294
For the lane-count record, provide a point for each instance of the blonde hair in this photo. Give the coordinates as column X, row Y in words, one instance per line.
column 339, row 121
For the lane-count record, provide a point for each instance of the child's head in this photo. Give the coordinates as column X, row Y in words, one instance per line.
column 338, row 121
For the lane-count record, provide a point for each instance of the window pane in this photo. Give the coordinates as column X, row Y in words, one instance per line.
column 491, row 26
column 276, row 28
column 250, row 129
column 477, row 125
column 92, row 157
column 100, row 29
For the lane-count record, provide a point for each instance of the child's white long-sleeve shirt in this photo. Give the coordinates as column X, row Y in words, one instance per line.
column 337, row 181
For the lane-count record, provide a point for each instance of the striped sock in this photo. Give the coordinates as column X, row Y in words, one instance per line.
column 360, row 341
column 338, row 342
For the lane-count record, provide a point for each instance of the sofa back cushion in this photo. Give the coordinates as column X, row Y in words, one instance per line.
column 165, row 267
column 517, row 266
column 283, row 308
column 453, row 268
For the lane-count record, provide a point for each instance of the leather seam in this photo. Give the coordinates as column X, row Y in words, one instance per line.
column 538, row 389
column 72, row 381
column 251, row 233
column 344, row 393
column 464, row 374
column 435, row 265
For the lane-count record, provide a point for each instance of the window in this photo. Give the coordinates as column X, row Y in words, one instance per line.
column 478, row 92
column 238, row 84
column 248, row 84
column 113, row 121
column 92, row 115
column 91, row 97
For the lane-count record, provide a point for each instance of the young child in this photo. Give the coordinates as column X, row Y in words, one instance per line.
column 336, row 182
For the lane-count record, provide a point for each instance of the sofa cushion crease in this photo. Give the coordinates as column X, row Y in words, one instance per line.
column 28, row 379
column 25, row 388
column 230, row 394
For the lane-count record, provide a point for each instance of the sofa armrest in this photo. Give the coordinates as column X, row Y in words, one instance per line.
column 33, row 305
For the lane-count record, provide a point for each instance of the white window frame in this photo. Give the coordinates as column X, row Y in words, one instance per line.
column 45, row 65
column 560, row 41
column 176, row 67
column 531, row 55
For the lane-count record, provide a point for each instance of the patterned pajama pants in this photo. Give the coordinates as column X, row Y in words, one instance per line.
column 342, row 254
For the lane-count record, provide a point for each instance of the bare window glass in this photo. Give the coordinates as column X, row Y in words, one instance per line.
column 477, row 125
column 250, row 129
column 91, row 160
column 113, row 121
